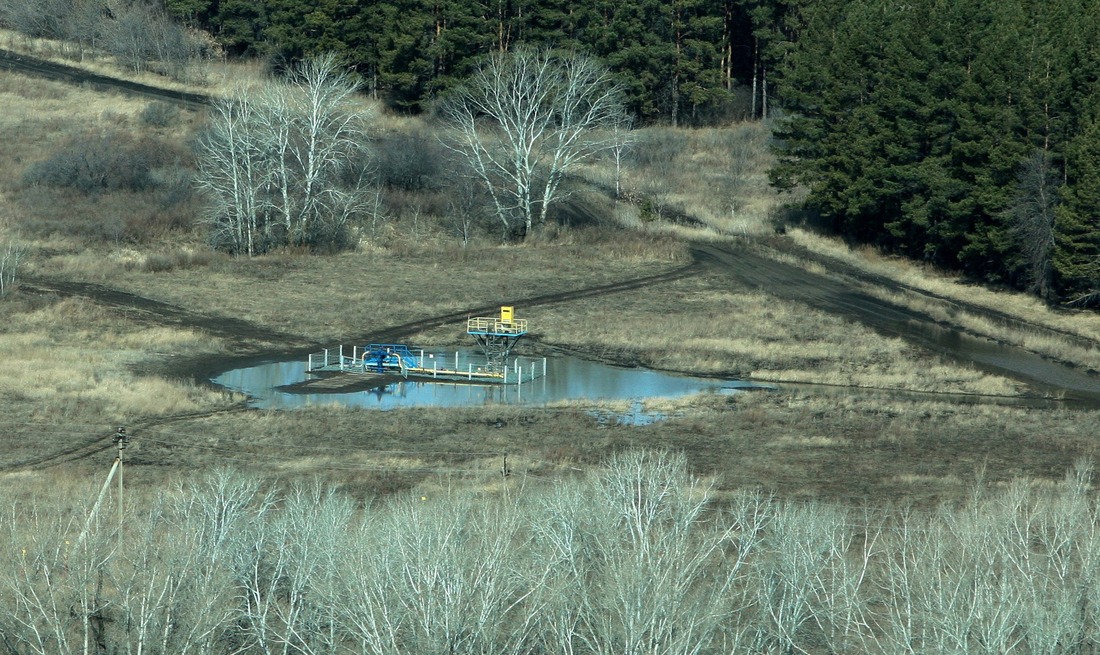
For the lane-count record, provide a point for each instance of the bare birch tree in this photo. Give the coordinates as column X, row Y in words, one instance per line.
column 621, row 137
column 11, row 257
column 233, row 172
column 273, row 162
column 53, row 588
column 523, row 120
column 288, row 574
column 805, row 553
column 170, row 598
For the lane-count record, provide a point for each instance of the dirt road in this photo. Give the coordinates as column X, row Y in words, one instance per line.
column 836, row 292
column 35, row 67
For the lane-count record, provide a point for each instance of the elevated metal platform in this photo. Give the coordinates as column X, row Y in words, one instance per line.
column 497, row 335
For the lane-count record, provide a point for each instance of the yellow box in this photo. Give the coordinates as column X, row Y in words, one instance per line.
column 506, row 314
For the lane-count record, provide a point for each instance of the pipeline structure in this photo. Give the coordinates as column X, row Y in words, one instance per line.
column 496, row 337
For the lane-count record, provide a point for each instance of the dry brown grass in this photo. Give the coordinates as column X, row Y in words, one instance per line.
column 715, row 175
column 73, row 358
column 203, row 74
column 842, row 446
column 332, row 297
column 945, row 288
column 695, row 327
column 70, row 371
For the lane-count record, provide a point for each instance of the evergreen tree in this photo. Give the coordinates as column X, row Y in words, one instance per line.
column 240, row 25
column 1077, row 224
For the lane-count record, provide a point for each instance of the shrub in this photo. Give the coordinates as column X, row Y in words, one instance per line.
column 658, row 145
column 410, row 160
column 175, row 260
column 96, row 163
column 160, row 114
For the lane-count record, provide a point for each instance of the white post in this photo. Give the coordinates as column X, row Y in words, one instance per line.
column 421, row 358
column 543, row 367
column 95, row 506
column 519, row 378
column 309, row 364
column 505, row 375
column 456, row 360
column 470, row 371
column 515, row 363
column 326, row 356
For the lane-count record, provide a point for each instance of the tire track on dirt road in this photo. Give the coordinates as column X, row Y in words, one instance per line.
column 201, row 370
column 837, row 296
column 101, row 442
column 147, row 310
column 35, row 67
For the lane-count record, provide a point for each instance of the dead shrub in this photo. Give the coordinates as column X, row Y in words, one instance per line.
column 98, row 163
column 160, row 114
column 655, row 147
column 176, row 260
column 413, row 160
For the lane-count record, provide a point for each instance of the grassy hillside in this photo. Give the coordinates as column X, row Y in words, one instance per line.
column 122, row 299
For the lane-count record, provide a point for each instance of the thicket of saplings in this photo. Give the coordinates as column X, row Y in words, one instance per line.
column 635, row 557
column 418, row 190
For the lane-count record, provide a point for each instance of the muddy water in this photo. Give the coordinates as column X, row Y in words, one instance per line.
column 1075, row 386
column 567, row 378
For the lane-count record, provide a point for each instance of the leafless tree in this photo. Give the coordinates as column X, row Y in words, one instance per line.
column 463, row 208
column 11, row 257
column 636, row 558
column 316, row 134
column 170, row 590
column 53, row 588
column 523, row 120
column 1031, row 218
column 84, row 25
column 273, row 161
column 287, row 573
column 622, row 135
column 36, row 18
column 1008, row 573
column 636, row 566
column 233, row 173
column 807, row 589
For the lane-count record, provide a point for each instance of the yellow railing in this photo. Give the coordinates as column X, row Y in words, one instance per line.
column 494, row 325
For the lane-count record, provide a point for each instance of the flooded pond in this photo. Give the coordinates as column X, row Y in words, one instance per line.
column 567, row 378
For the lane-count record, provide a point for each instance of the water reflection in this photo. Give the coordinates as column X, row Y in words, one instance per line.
column 567, row 378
